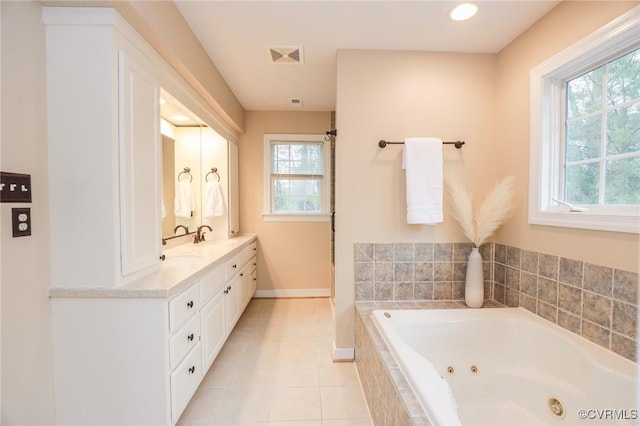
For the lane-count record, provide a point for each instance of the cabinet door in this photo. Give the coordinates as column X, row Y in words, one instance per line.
column 139, row 160
column 234, row 226
column 213, row 328
column 232, row 312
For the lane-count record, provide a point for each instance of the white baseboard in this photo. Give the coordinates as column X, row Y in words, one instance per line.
column 309, row 292
column 343, row 354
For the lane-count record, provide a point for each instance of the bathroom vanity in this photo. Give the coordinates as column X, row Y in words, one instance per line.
column 134, row 328
column 134, row 355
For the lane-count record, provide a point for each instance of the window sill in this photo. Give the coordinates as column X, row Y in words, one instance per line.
column 292, row 217
column 586, row 220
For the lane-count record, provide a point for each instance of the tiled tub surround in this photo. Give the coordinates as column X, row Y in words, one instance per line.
column 596, row 302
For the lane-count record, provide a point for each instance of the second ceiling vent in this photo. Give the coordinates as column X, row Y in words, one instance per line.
column 286, row 54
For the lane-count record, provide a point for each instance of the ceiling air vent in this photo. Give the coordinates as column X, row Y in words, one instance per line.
column 286, row 54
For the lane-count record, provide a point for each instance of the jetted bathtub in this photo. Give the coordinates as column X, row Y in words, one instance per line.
column 507, row 366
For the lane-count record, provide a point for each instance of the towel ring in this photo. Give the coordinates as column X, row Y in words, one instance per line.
column 187, row 171
column 214, row 170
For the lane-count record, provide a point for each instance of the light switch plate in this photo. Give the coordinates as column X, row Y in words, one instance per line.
column 21, row 222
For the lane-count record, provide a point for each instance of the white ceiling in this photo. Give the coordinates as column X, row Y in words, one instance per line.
column 236, row 35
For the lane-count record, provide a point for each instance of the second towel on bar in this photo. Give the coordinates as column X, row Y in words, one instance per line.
column 422, row 161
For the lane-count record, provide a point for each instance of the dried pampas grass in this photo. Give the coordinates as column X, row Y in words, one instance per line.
column 495, row 209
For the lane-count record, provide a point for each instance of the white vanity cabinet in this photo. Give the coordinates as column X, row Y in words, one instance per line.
column 135, row 355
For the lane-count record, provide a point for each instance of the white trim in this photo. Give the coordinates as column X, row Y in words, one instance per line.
column 604, row 44
column 293, row 293
column 282, row 217
column 343, row 354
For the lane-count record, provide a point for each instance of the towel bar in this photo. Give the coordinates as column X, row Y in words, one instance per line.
column 384, row 143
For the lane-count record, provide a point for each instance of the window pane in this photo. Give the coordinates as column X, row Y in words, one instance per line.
column 297, row 159
column 623, row 130
column 623, row 79
column 581, row 183
column 584, row 93
column 296, row 195
column 623, row 181
column 583, row 139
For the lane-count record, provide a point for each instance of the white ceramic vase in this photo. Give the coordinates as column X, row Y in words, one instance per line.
column 474, row 282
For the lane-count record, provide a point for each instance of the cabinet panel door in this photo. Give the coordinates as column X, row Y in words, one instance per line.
column 234, row 223
column 213, row 328
column 139, row 160
column 231, row 303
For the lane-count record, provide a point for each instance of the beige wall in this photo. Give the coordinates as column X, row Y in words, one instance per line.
column 293, row 255
column 549, row 36
column 27, row 375
column 393, row 95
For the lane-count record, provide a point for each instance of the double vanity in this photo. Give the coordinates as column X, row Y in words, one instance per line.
column 134, row 327
column 136, row 354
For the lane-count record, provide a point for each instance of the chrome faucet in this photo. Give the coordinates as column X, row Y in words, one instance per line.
column 199, row 237
column 186, row 230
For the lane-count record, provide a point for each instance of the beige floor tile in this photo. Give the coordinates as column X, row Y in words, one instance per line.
column 337, row 373
column 243, row 406
column 295, row 403
column 297, row 373
column 348, row 422
column 201, row 408
column 296, row 423
column 343, row 402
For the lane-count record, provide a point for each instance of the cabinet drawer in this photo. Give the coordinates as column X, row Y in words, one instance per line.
column 183, row 340
column 212, row 283
column 184, row 382
column 184, row 306
column 233, row 266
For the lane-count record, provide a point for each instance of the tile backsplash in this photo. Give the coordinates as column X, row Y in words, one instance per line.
column 597, row 302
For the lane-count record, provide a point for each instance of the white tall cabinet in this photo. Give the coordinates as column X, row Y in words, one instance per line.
column 104, row 142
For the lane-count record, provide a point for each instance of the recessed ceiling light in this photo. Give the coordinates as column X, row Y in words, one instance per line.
column 180, row 117
column 463, row 11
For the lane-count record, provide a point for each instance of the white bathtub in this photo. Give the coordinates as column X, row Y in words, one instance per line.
column 520, row 362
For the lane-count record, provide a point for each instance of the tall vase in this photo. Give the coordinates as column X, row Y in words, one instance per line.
column 474, row 283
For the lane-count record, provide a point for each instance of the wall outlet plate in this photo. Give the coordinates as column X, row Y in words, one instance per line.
column 21, row 221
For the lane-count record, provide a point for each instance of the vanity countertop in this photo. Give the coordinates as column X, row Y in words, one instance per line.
column 182, row 265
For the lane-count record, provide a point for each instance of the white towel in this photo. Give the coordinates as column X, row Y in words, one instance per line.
column 213, row 200
column 422, row 160
column 183, row 202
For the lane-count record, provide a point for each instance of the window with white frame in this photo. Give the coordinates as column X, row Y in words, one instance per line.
column 585, row 132
column 296, row 177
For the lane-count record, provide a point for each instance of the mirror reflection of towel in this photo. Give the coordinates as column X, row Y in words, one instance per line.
column 183, row 201
column 213, row 200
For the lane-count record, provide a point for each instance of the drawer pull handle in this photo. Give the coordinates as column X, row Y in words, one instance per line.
column 190, row 304
column 255, row 249
column 255, row 279
column 190, row 337
column 226, row 291
column 234, row 266
column 254, row 263
column 242, row 274
column 192, row 369
column 229, row 288
column 163, row 256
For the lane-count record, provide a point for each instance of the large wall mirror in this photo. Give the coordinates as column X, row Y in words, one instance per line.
column 195, row 184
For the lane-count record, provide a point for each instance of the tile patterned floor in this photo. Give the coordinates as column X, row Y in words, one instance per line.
column 276, row 370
